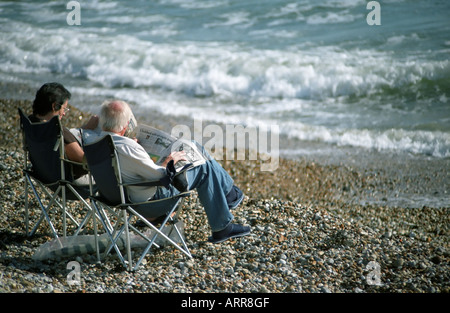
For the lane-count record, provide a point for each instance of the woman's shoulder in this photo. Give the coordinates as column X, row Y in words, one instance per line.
column 34, row 119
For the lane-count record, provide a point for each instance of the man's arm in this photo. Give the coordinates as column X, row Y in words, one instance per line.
column 135, row 163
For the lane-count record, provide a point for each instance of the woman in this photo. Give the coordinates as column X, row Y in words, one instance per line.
column 53, row 99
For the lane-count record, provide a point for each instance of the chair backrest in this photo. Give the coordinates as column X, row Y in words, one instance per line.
column 44, row 144
column 102, row 161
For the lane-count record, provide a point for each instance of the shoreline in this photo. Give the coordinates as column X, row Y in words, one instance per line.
column 318, row 240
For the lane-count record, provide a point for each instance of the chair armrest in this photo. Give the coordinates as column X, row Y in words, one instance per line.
column 184, row 169
column 145, row 183
column 83, row 164
column 181, row 194
column 170, row 178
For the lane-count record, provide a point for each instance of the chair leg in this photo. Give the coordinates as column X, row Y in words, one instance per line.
column 123, row 228
column 113, row 233
column 127, row 238
column 182, row 241
column 158, row 232
column 97, row 248
column 44, row 213
column 64, row 202
column 90, row 213
column 27, row 218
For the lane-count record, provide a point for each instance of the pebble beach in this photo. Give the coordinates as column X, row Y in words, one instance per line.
column 308, row 235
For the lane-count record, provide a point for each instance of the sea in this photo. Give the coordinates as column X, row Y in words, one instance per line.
column 336, row 77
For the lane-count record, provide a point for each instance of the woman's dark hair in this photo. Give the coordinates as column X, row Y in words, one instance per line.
column 48, row 95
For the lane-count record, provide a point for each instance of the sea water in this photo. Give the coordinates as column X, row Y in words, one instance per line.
column 319, row 70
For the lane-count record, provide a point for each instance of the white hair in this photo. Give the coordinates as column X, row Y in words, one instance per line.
column 114, row 115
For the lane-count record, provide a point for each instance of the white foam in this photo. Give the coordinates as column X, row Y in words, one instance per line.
column 331, row 18
column 193, row 4
column 232, row 19
column 433, row 143
column 211, row 68
column 436, row 144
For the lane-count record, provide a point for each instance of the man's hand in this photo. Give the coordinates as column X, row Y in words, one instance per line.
column 175, row 156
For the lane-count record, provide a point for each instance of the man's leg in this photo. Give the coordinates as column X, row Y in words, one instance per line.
column 213, row 184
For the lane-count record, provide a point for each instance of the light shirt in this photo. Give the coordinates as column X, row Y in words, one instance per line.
column 135, row 164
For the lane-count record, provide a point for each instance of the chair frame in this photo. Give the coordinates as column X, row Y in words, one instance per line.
column 125, row 210
column 54, row 190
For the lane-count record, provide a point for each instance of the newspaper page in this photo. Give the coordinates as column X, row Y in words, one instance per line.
column 159, row 145
column 131, row 126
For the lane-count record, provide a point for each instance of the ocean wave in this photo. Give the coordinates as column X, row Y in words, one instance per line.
column 332, row 18
column 432, row 143
column 209, row 69
column 215, row 69
column 197, row 5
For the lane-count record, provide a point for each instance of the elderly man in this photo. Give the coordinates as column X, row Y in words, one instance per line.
column 215, row 187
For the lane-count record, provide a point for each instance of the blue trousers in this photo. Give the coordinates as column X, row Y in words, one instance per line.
column 212, row 183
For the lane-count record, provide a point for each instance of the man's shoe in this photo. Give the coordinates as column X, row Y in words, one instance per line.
column 234, row 197
column 231, row 231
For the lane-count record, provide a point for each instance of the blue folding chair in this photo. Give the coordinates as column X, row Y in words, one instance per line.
column 46, row 169
column 104, row 166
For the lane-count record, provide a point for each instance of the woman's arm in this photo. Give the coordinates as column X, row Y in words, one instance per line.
column 74, row 152
column 92, row 123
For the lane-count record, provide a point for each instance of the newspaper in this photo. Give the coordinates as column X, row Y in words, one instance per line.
column 131, row 126
column 159, row 145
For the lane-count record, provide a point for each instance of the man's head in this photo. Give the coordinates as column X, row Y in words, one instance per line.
column 114, row 116
column 51, row 97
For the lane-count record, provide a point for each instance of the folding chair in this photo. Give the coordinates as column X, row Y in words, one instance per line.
column 103, row 162
column 46, row 169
